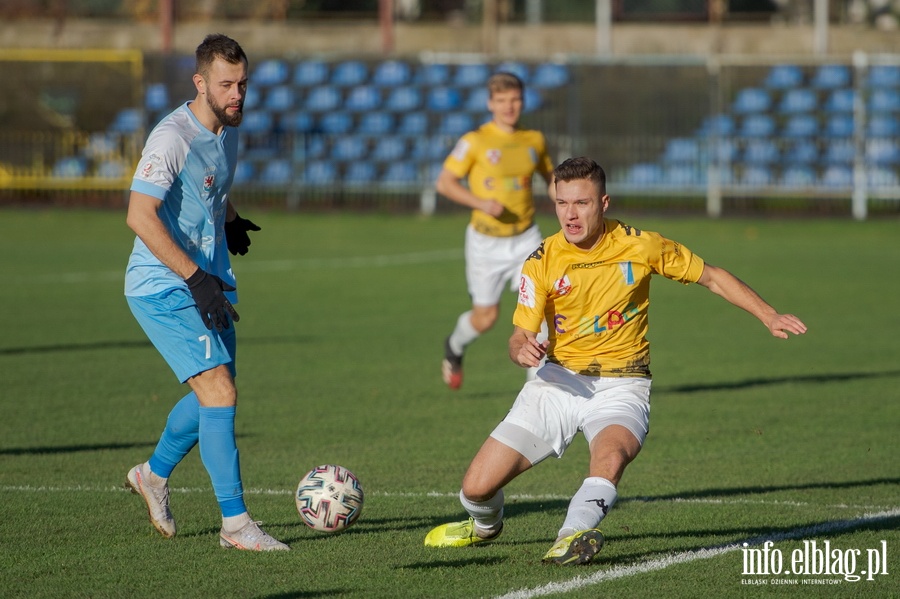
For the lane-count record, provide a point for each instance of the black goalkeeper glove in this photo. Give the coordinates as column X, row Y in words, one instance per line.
column 236, row 235
column 209, row 294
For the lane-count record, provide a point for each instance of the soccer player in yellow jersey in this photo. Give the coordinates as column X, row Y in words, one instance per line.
column 590, row 283
column 499, row 161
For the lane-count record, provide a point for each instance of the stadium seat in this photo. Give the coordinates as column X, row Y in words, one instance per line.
column 276, row 172
column 455, row 124
column 681, row 150
column 432, row 75
column 724, row 151
column 349, row 148
column 801, row 125
column 336, row 123
column 280, row 98
column 156, row 97
column 471, row 75
column 270, row 72
column 532, row 99
column 320, row 172
column 443, row 99
column 884, row 100
column 839, row 126
column 256, row 121
column 802, row 151
column 310, row 147
column 680, row 175
column 798, row 176
column 432, row 148
column 477, row 100
column 252, row 98
column 359, row 173
column 882, row 152
column 309, row 73
column 840, row 100
column 362, row 99
column 879, row 176
column 403, row 173
column 375, row 123
column 298, row 121
column 518, row 69
column 761, row 151
column 349, row 73
column 644, row 174
column 757, row 176
column 798, row 100
column 882, row 125
column 388, row 149
column 884, row 76
column 550, row 75
column 432, row 170
column 391, row 73
column 127, row 120
column 751, row 100
column 784, row 76
column 839, row 151
column 831, row 76
column 403, row 99
column 71, row 167
column 757, row 125
column 413, row 123
column 720, row 125
column 323, row 99
column 837, row 176
column 113, row 169
column 244, row 172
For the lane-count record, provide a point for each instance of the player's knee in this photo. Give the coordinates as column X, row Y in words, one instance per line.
column 478, row 489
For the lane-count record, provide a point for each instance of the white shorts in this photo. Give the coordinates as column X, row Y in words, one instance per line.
column 493, row 261
column 558, row 403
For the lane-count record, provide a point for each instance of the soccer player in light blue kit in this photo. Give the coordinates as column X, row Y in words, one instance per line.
column 181, row 289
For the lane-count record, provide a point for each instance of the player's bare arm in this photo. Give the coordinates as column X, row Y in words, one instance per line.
column 144, row 220
column 450, row 187
column 726, row 285
column 524, row 348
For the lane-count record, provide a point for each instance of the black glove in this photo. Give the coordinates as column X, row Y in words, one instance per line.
column 209, row 293
column 236, row 235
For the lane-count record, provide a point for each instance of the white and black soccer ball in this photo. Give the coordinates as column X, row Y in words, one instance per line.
column 329, row 498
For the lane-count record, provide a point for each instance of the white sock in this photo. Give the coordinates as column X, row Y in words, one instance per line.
column 463, row 334
column 589, row 505
column 488, row 514
column 235, row 523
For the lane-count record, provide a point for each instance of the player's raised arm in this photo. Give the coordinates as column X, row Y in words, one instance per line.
column 726, row 285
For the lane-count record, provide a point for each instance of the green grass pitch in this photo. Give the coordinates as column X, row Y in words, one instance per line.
column 753, row 439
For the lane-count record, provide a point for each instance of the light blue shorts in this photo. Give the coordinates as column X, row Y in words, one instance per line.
column 173, row 324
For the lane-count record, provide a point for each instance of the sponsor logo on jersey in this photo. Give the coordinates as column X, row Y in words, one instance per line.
column 493, row 156
column 526, row 291
column 627, row 272
column 588, row 265
column 152, row 161
column 596, row 324
column 460, row 149
column 563, row 286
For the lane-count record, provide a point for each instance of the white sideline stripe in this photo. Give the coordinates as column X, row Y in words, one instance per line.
column 689, row 556
column 382, row 261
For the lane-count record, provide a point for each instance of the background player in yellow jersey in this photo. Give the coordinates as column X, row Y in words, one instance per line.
column 590, row 282
column 499, row 161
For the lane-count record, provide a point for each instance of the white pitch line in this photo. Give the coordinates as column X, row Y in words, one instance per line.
column 653, row 565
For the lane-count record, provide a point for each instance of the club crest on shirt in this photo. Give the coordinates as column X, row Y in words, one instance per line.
column 563, row 286
column 208, row 181
column 526, row 291
column 493, row 156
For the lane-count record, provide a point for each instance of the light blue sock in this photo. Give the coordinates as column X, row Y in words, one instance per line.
column 219, row 454
column 179, row 437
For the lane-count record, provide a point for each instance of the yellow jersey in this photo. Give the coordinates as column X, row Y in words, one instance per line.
column 500, row 166
column 596, row 302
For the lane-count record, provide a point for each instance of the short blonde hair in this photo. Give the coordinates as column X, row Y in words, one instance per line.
column 503, row 81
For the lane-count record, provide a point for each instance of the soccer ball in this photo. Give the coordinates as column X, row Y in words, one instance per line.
column 329, row 498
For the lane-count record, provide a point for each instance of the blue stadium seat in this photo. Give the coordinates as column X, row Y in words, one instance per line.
column 532, row 99
column 471, row 75
column 269, row 72
column 831, row 76
column 280, row 98
column 837, row 177
column 276, row 172
column 403, row 99
column 518, row 69
column 757, row 125
column 724, row 151
column 455, row 124
column 310, row 147
column 839, row 126
column 549, row 75
column 802, row 151
column 477, row 100
column 798, row 100
column 71, row 167
column 784, row 76
column 375, row 123
column 757, row 176
column 323, row 99
column 413, row 123
column 720, row 125
column 156, row 97
column 752, row 99
column 362, row 99
column 359, row 173
column 346, row 149
column 882, row 125
column 840, row 100
column 391, row 73
column 761, row 151
column 443, row 99
column 884, row 100
column 801, row 125
column 882, row 152
column 681, row 150
column 403, row 173
column 879, row 176
column 432, row 170
column 336, row 123
column 127, row 120
column 798, row 176
column 388, row 149
column 309, row 73
column 252, row 98
column 839, row 151
column 884, row 76
column 113, row 169
column 298, row 121
column 244, row 172
column 349, row 73
column 680, row 175
column 644, row 174
column 256, row 121
column 320, row 172
column 433, row 148
column 432, row 75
